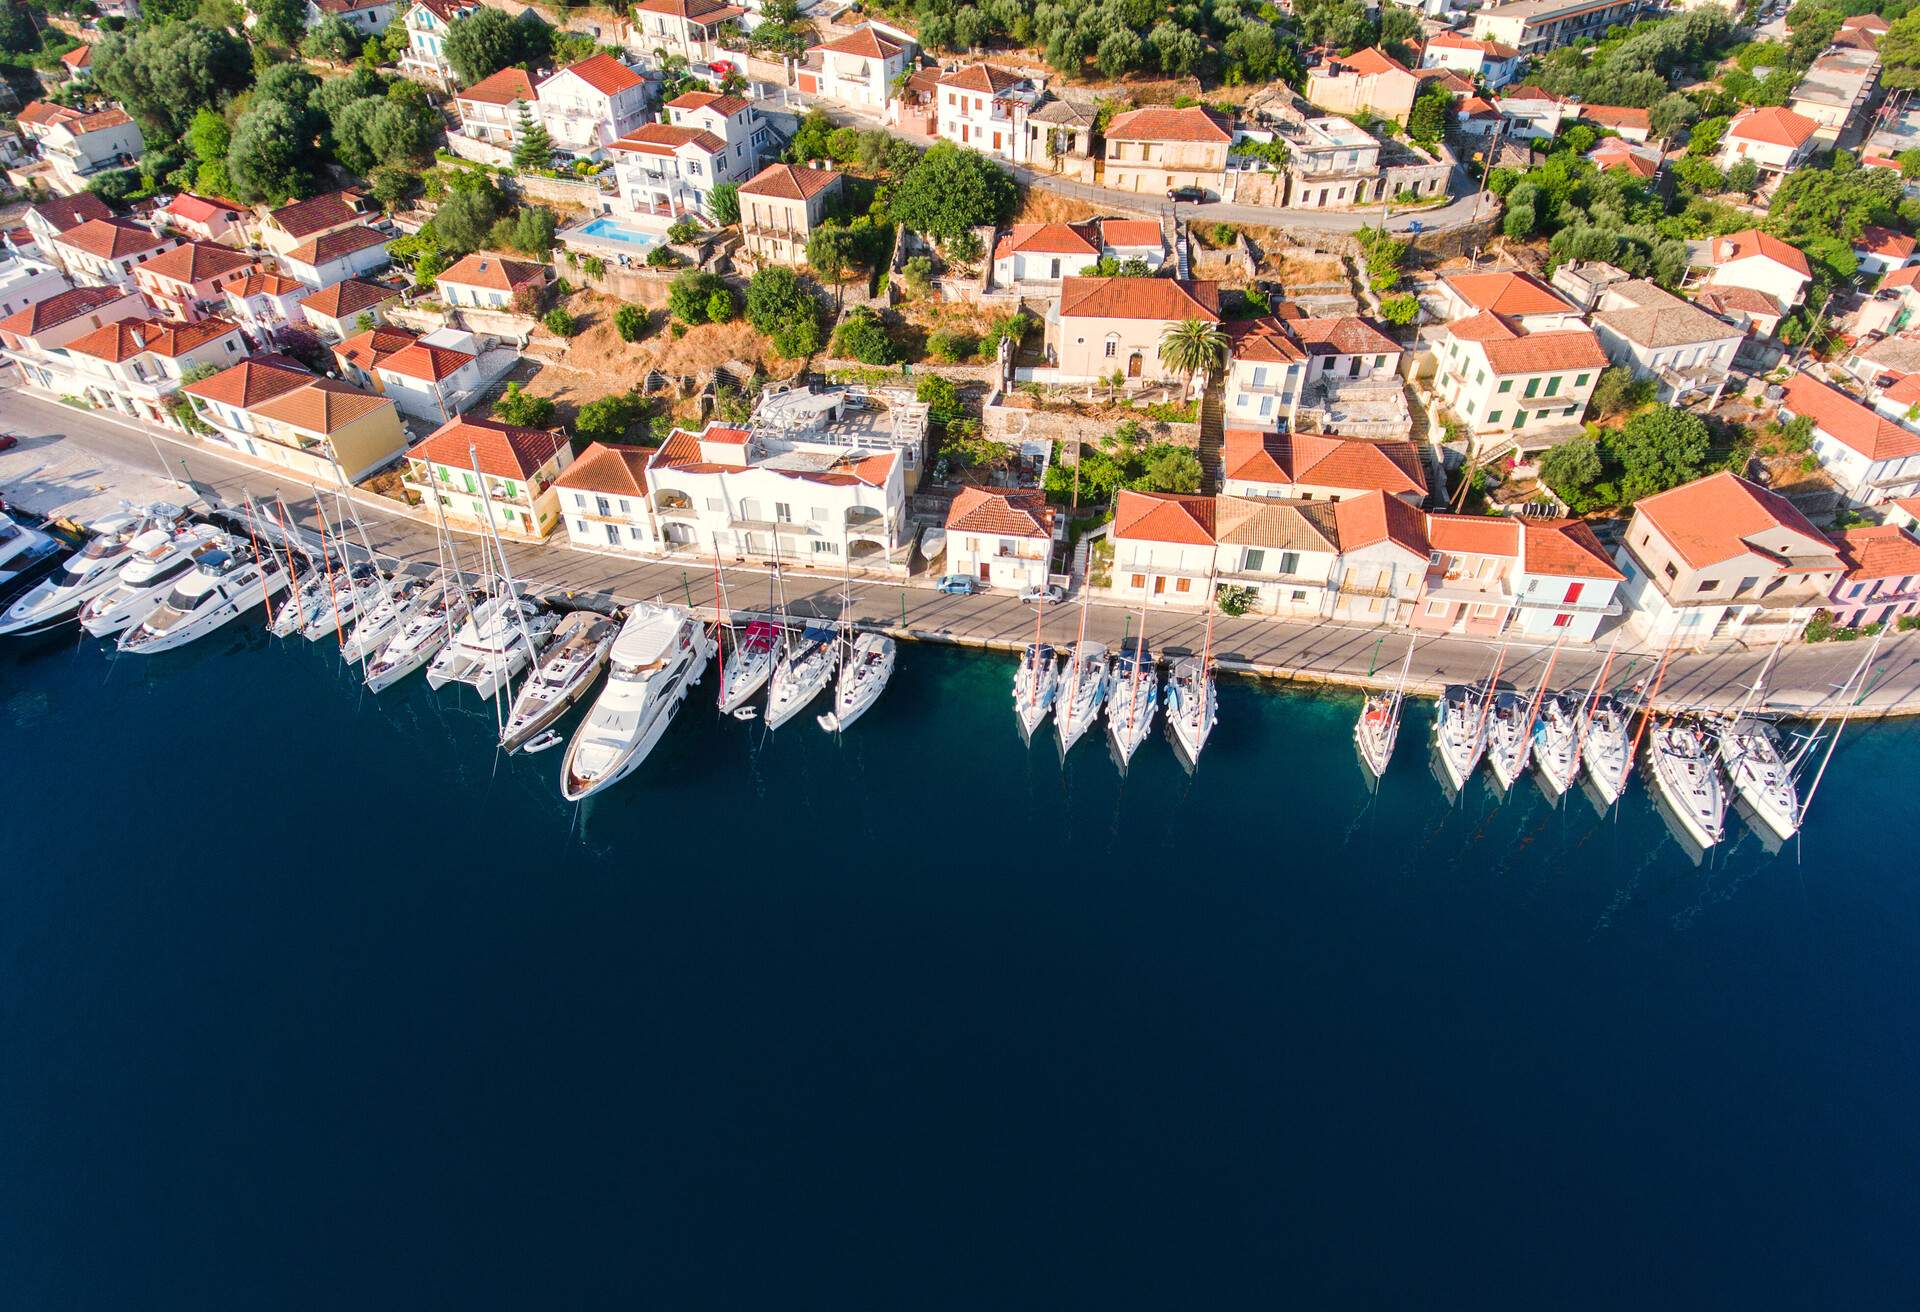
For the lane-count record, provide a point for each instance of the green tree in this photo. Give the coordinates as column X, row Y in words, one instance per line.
column 487, row 41
column 1574, row 469
column 690, row 296
column 630, row 321
column 1432, row 111
column 1899, row 52
column 830, row 250
column 402, row 133
column 271, row 157
column 523, row 409
column 1399, row 311
column 332, row 39
column 941, row 398
column 949, row 190
column 780, row 307
column 863, row 337
column 560, row 323
column 167, row 73
column 535, row 150
column 720, row 305
column 724, row 200
column 1193, row 347
column 529, row 230
column 609, row 418
column 465, row 218
column 1658, row 449
column 351, row 128
column 1618, row 391
column 1166, row 467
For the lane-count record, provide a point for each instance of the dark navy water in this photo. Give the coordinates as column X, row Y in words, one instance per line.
column 310, row 1002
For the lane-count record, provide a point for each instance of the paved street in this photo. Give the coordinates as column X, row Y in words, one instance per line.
column 48, row 469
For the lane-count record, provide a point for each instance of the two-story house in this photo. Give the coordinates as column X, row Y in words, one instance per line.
column 588, row 106
column 335, row 312
column 496, row 109
column 857, row 69
column 1502, row 381
column 780, row 206
column 1000, row 537
column 1369, row 81
column 985, row 108
column 1282, row 552
column 690, row 29
column 1383, row 561
column 1047, row 252
column 1535, row 27
column 1533, row 113
column 1775, row 139
column 1723, row 557
column 25, row 280
column 1881, row 584
column 669, row 169
column 300, row 222
column 489, row 282
column 338, row 255
column 1880, row 250
column 427, row 22
column 1564, row 583
column 133, row 365
column 1493, row 62
column 1163, row 548
column 1469, row 582
column 1159, row 149
column 367, row 17
column 200, row 218
column 34, row 335
column 105, row 252
column 1686, row 351
column 264, row 303
column 190, row 281
column 1514, row 295
column 1870, row 457
column 513, row 490
column 47, row 219
column 325, row 429
column 1311, row 467
column 82, row 146
column 1760, row 262
column 1266, row 374
column 360, row 356
column 733, row 119
column 1102, row 327
column 435, row 378
column 603, row 498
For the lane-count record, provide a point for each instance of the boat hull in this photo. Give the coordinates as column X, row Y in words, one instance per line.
column 575, row 789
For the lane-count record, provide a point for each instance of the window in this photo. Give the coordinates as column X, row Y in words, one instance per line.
column 1553, row 384
column 1256, row 559
column 1671, row 572
column 821, row 548
column 1469, row 409
column 1290, row 562
column 715, row 503
column 1706, row 585
column 1181, row 585
column 783, row 512
column 1506, row 384
column 600, row 503
column 1493, row 416
column 1299, row 595
column 613, row 535
column 1113, row 347
column 1533, row 386
column 1436, row 608
column 1479, row 375
column 1581, row 381
column 1139, row 580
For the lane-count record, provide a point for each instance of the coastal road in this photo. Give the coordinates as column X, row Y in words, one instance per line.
column 68, row 454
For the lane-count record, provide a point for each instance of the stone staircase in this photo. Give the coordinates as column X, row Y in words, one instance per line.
column 1213, row 427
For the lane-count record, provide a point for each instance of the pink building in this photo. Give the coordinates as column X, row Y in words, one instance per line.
column 1881, row 581
column 1470, row 569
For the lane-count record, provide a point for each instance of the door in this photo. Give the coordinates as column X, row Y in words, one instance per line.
column 1133, row 365
column 986, row 571
column 1159, row 584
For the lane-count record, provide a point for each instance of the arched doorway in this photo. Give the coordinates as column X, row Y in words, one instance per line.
column 1133, row 365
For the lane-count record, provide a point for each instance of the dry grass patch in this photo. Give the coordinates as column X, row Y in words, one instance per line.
column 1038, row 205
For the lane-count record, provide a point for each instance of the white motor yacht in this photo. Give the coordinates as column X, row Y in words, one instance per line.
column 572, row 663
column 1509, row 745
column 1193, row 706
column 58, row 597
column 428, row 627
column 144, row 581
column 1035, row 682
column 354, row 591
column 804, row 670
column 1131, row 700
column 22, row 551
column 1459, row 732
column 1605, row 752
column 745, row 670
column 223, row 586
column 384, row 618
column 659, row 654
column 493, row 645
column 1083, row 688
column 1556, row 742
column 863, row 677
column 1687, row 778
column 1761, row 774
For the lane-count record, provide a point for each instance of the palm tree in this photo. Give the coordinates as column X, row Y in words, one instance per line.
column 1190, row 347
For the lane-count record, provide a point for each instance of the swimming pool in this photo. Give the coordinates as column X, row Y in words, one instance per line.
column 608, row 228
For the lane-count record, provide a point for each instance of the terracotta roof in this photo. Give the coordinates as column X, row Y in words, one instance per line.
column 1349, row 463
column 1565, row 548
column 865, row 41
column 1534, row 353
column 347, row 298
column 1773, row 126
column 100, row 122
column 1139, row 298
column 42, row 113
column 1271, row 522
column 701, row 11
column 1848, row 422
column 447, row 10
column 1377, row 517
column 1483, row 327
column 112, row 239
column 504, row 450
column 1614, row 153
column 78, row 58
column 304, row 218
column 324, row 405
column 250, row 382
column 618, row 470
column 1157, row 123
column 199, row 209
column 981, row 77
column 1475, row 107
column 348, row 6
column 1616, row 116
column 59, row 308
column 667, row 138
column 331, row 246
column 1508, row 292
column 1905, row 276
column 65, row 212
column 427, row 363
column 1752, row 242
column 725, row 106
column 1458, row 41
column 680, row 450
column 1871, row 22
column 1046, row 239
column 195, row 261
column 1474, row 535
column 1265, row 340
column 368, row 349
column 493, row 272
column 788, row 182
column 1371, row 62
column 1879, row 552
column 1710, row 519
column 1006, row 514
column 1905, row 392
column 502, row 88
column 1910, row 505
column 1737, row 300
column 1131, row 233
column 1452, row 82
column 1164, row 517
column 1347, row 335
column 1884, row 242
column 604, row 74
column 117, row 342
column 1528, row 91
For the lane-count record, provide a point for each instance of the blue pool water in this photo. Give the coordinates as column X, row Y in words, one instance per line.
column 608, row 228
column 310, row 1002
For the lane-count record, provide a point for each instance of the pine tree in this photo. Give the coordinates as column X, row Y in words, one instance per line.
column 535, row 150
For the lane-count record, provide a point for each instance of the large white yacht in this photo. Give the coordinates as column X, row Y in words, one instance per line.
column 22, row 549
column 161, row 561
column 659, row 655
column 428, row 627
column 223, row 586
column 500, row 639
column 863, row 677
column 1083, row 687
column 58, row 597
column 578, row 654
column 802, row 673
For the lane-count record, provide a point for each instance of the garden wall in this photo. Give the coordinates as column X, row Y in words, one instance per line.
column 1013, row 423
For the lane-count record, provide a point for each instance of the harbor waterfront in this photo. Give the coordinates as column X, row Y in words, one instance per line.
column 313, row 993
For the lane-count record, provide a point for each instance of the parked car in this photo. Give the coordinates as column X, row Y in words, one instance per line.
column 8, row 441
column 959, row 585
column 1195, row 195
column 1045, row 596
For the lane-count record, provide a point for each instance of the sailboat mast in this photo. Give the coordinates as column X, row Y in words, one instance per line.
column 1486, row 699
column 1206, row 653
column 1079, row 641
column 254, row 537
column 1646, row 711
column 286, row 545
column 1593, row 700
column 1400, row 693
column 1139, row 658
column 506, row 578
column 443, row 545
column 1540, row 693
column 722, row 619
column 1033, row 660
column 1759, row 681
column 326, row 557
column 1833, row 742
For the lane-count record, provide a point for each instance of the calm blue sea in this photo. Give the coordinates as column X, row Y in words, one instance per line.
column 310, row 1002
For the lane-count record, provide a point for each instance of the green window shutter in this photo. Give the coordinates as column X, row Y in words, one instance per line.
column 1506, row 384
column 1493, row 416
column 467, row 479
column 1519, row 418
column 1581, row 381
column 1533, row 385
column 1553, row 384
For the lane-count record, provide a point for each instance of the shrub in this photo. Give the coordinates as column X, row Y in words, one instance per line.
column 1399, row 310
column 940, row 396
column 1222, row 234
column 661, row 258
column 691, row 296
column 779, row 305
column 1907, row 623
column 951, row 345
column 1820, row 627
column 684, row 229
column 630, row 321
column 918, row 273
column 963, row 246
column 523, row 408
column 863, row 337
column 610, row 416
column 720, row 305
column 560, row 323
column 1234, row 598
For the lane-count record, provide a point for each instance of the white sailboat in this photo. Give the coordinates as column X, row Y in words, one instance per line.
column 1603, row 747
column 1378, row 727
column 657, row 657
column 746, row 669
column 1556, row 742
column 1036, row 680
column 427, row 628
column 1759, row 771
column 863, row 677
column 1136, row 688
column 1083, row 686
column 1460, row 729
column 1509, row 744
column 500, row 639
column 223, row 586
column 353, row 588
column 802, row 672
column 571, row 664
column 1193, row 700
column 1681, row 762
column 401, row 596
column 115, row 541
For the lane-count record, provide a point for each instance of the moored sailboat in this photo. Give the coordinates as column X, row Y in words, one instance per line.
column 571, row 664
column 1509, row 744
column 501, row 637
column 1193, row 706
column 748, row 666
column 440, row 613
column 1135, row 694
column 1378, row 727
column 1459, row 729
column 1556, row 742
column 1681, row 762
column 863, row 677
column 802, row 672
column 1035, row 682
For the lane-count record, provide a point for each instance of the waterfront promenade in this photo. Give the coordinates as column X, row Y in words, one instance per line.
column 67, row 455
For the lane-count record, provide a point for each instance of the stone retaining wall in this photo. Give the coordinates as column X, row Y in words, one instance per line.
column 1013, row 424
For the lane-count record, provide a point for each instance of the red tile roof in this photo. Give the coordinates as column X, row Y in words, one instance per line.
column 1616, row 154
column 121, row 341
column 58, row 309
column 1166, row 299
column 1848, row 422
column 337, row 245
column 704, row 12
column 1569, row 348
column 1351, row 464
column 1901, row 277
column 1005, row 514
column 100, row 122
column 1710, row 519
column 1046, row 239
column 604, row 74
column 1879, row 552
column 1459, row 41
column 725, row 106
column 199, row 209
column 1131, row 233
column 1773, row 126
column 1508, row 292
column 1371, row 62
column 494, row 273
column 41, row 113
column 250, row 382
column 864, row 41
column 618, row 470
column 666, row 139
column 195, row 261
column 502, row 88
column 1617, row 116
column 347, row 298
column 428, row 363
column 65, row 212
column 112, row 239
column 1164, row 517
column 304, row 218
column 1884, row 242
column 985, row 78
column 1752, row 242
column 78, row 58
column 1157, row 123
column 369, row 349
column 504, row 450
column 788, row 182
column 1346, row 335
column 1266, row 340
column 1564, row 548
column 1377, row 517
column 1474, row 535
column 324, row 405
